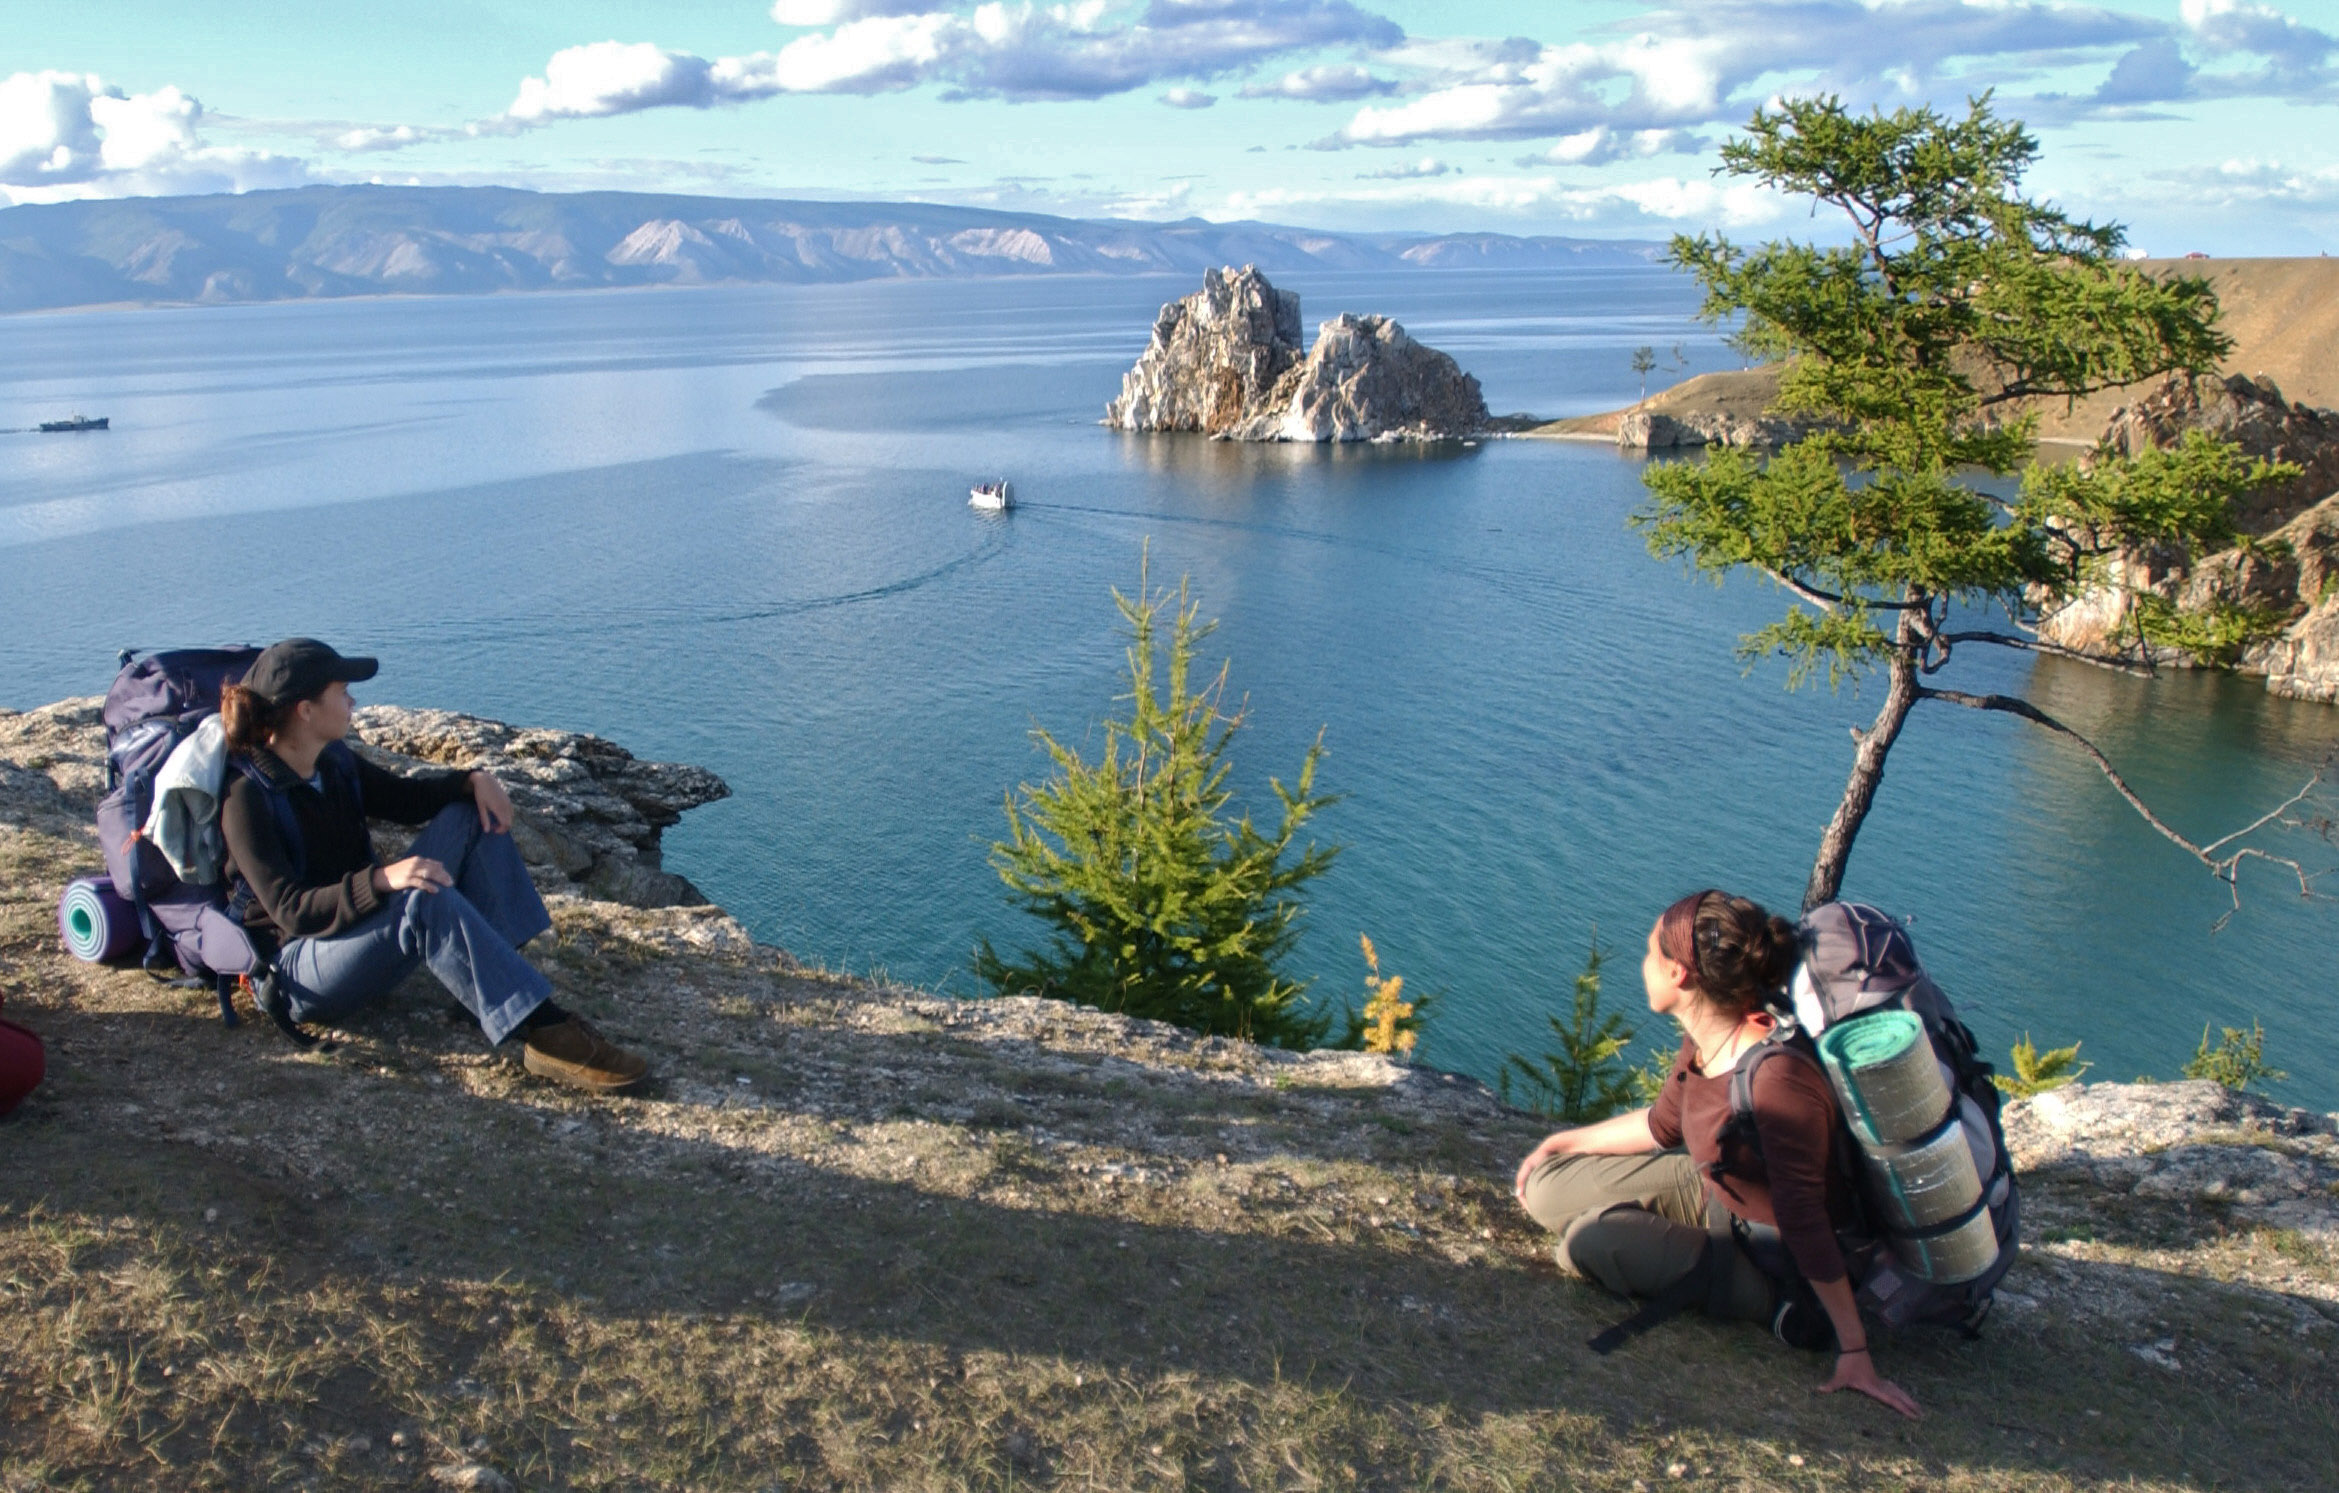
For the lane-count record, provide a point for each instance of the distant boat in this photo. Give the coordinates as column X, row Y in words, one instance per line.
column 78, row 422
column 992, row 497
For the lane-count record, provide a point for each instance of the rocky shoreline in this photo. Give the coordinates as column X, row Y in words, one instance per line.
column 862, row 1236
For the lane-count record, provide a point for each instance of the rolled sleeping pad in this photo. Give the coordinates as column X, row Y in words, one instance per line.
column 1924, row 1182
column 1887, row 1076
column 97, row 922
column 1953, row 1255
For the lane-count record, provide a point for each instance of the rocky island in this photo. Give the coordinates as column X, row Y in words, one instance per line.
column 861, row 1236
column 1227, row 362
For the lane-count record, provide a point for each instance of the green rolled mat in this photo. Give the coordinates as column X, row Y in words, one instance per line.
column 1886, row 1075
column 1925, row 1182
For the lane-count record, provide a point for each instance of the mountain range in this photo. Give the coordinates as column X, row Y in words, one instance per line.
column 374, row 240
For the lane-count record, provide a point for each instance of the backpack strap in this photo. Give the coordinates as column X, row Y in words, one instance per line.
column 1739, row 1128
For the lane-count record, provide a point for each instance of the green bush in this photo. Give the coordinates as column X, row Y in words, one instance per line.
column 2238, row 1060
column 1163, row 903
column 1585, row 1076
column 2036, row 1072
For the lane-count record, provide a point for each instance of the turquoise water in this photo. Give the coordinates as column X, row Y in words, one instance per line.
column 728, row 526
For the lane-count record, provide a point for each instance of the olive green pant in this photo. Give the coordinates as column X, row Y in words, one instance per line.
column 1636, row 1224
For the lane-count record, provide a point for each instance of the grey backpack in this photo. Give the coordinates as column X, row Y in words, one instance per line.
column 1941, row 1211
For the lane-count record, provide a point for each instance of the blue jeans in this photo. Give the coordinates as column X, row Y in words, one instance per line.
column 469, row 934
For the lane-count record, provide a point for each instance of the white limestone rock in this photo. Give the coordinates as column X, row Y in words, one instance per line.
column 1367, row 380
column 2191, row 1142
column 1213, row 356
column 1227, row 362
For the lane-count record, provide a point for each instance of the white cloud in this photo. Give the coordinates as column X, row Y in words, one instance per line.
column 1080, row 50
column 65, row 135
column 381, row 137
column 2250, row 183
column 1709, row 64
column 1599, row 145
column 1189, row 98
column 610, row 77
column 1409, row 170
column 1335, row 82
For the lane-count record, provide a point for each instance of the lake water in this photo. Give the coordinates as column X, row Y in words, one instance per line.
column 728, row 526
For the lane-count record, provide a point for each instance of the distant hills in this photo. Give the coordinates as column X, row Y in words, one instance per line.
column 369, row 240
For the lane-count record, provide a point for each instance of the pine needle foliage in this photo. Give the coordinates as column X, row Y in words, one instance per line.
column 1163, row 901
column 1585, row 1075
column 1919, row 354
column 2238, row 1061
column 1389, row 1023
column 2036, row 1072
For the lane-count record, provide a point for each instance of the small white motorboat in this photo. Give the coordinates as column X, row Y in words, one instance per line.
column 992, row 497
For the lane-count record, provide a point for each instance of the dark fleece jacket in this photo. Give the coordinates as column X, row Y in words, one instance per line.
column 334, row 890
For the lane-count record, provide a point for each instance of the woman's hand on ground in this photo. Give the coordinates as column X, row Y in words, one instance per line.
column 1858, row 1371
column 415, row 873
column 495, row 805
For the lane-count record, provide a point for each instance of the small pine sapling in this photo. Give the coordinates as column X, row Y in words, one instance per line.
column 1585, row 1076
column 2036, row 1072
column 2238, row 1061
column 1163, row 900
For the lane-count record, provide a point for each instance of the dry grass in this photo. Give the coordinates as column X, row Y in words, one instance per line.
column 935, row 1247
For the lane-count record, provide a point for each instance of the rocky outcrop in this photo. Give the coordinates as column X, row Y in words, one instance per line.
column 590, row 813
column 1213, row 357
column 2191, row 1142
column 1654, row 430
column 1226, row 362
column 2288, row 565
column 1367, row 380
column 2253, row 415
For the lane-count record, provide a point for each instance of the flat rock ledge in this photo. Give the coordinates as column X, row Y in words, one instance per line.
column 2194, row 1143
column 1226, row 362
column 1656, row 430
column 590, row 813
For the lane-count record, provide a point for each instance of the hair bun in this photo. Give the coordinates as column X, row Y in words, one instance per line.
column 1739, row 956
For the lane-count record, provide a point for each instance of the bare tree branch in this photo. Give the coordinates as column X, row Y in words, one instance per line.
column 1828, row 601
column 2225, row 868
column 2039, row 645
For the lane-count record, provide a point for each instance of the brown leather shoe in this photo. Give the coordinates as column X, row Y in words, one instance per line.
column 574, row 1053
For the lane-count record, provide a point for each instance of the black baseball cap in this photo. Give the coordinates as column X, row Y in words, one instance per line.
column 300, row 668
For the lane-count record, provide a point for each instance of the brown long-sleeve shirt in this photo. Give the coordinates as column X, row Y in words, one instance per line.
column 1793, row 1185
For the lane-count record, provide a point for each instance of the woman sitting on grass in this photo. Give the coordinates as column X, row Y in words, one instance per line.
column 345, row 930
column 1630, row 1196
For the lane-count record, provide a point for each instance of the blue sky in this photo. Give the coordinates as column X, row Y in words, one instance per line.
column 2203, row 124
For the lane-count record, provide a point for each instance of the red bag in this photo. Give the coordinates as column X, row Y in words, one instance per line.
column 22, row 1062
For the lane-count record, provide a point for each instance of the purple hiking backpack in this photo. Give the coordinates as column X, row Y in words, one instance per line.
column 157, row 701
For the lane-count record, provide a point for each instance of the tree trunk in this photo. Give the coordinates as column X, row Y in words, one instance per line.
column 1835, row 847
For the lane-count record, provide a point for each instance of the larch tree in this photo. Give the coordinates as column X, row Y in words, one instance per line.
column 1917, row 354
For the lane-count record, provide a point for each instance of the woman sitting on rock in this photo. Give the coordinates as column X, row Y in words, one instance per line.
column 344, row 929
column 1632, row 1197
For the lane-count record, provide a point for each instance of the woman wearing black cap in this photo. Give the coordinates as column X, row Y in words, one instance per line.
column 345, row 929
